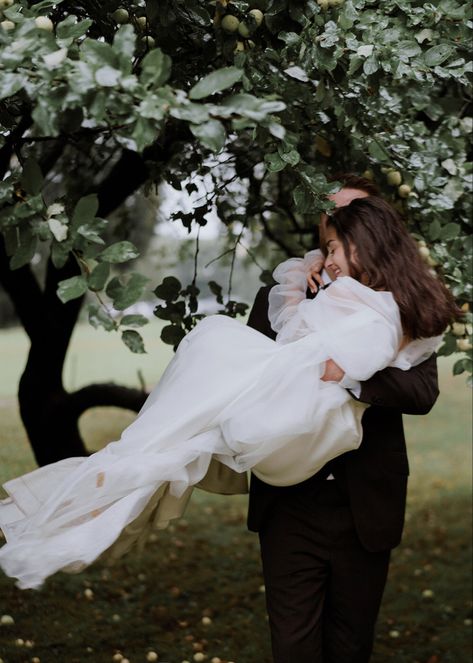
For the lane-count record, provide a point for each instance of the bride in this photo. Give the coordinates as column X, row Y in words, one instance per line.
column 232, row 400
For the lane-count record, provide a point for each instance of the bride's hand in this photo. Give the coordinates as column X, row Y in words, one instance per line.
column 314, row 262
column 314, row 280
column 333, row 372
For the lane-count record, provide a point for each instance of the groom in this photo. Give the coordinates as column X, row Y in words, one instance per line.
column 326, row 543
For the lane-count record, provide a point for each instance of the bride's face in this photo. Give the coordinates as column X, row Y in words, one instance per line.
column 336, row 262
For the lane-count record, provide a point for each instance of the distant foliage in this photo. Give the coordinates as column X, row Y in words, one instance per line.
column 265, row 99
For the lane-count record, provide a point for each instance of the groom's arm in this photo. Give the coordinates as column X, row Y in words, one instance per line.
column 413, row 392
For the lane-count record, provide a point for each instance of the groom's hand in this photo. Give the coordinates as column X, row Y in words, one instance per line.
column 333, row 372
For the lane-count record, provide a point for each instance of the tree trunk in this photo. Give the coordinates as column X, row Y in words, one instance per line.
column 49, row 413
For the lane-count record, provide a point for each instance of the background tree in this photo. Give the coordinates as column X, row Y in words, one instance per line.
column 262, row 101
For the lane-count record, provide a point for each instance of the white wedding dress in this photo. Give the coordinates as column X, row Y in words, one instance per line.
column 230, row 400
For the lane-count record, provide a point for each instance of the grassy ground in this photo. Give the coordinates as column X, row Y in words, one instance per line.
column 208, row 564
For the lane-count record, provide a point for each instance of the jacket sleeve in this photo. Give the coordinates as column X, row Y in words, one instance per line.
column 412, row 392
column 258, row 318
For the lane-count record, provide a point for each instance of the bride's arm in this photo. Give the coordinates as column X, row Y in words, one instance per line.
column 413, row 392
column 292, row 279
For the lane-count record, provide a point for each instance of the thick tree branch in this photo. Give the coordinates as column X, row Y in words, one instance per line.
column 23, row 290
column 128, row 174
column 273, row 237
column 95, row 395
column 131, row 170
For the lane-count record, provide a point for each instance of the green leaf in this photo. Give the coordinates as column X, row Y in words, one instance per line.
column 99, row 276
column 70, row 28
column 347, row 16
column 169, row 289
column 173, row 311
column 59, row 254
column 25, row 251
column 196, row 113
column 437, row 54
column 216, row 290
column 85, row 210
column 145, row 132
column 124, row 43
column 125, row 295
column 119, row 252
column 408, row 48
column 40, row 7
column 32, row 177
column 72, row 288
column 134, row 341
column 434, row 230
column 274, row 162
column 98, row 317
column 460, row 366
column 90, row 232
column 303, row 200
column 45, row 117
column 134, row 321
column 10, row 84
column 155, row 68
column 449, row 346
column 98, row 53
column 277, row 130
column 290, row 156
column 211, row 134
column 450, row 231
column 378, row 152
column 107, row 76
column 218, row 80
column 371, row 65
column 172, row 335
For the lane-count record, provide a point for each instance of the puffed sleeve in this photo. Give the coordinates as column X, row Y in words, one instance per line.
column 291, row 277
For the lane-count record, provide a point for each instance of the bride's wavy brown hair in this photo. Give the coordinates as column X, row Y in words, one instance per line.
column 386, row 257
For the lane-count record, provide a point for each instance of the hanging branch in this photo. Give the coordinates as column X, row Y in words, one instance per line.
column 232, row 264
column 281, row 204
column 196, row 257
column 274, row 238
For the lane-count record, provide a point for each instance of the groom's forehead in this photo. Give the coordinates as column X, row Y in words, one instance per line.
column 346, row 195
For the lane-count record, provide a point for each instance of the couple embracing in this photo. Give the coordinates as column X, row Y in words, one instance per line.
column 309, row 397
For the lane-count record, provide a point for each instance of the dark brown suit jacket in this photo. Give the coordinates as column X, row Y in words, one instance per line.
column 375, row 475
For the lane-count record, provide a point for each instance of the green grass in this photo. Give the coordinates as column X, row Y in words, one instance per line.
column 208, row 563
column 94, row 355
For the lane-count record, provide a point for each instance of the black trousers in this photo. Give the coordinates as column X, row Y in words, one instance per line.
column 323, row 589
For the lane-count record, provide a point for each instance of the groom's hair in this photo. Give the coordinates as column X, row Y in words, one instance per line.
column 353, row 181
column 386, row 257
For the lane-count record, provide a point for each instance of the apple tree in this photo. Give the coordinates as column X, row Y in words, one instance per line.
column 266, row 101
